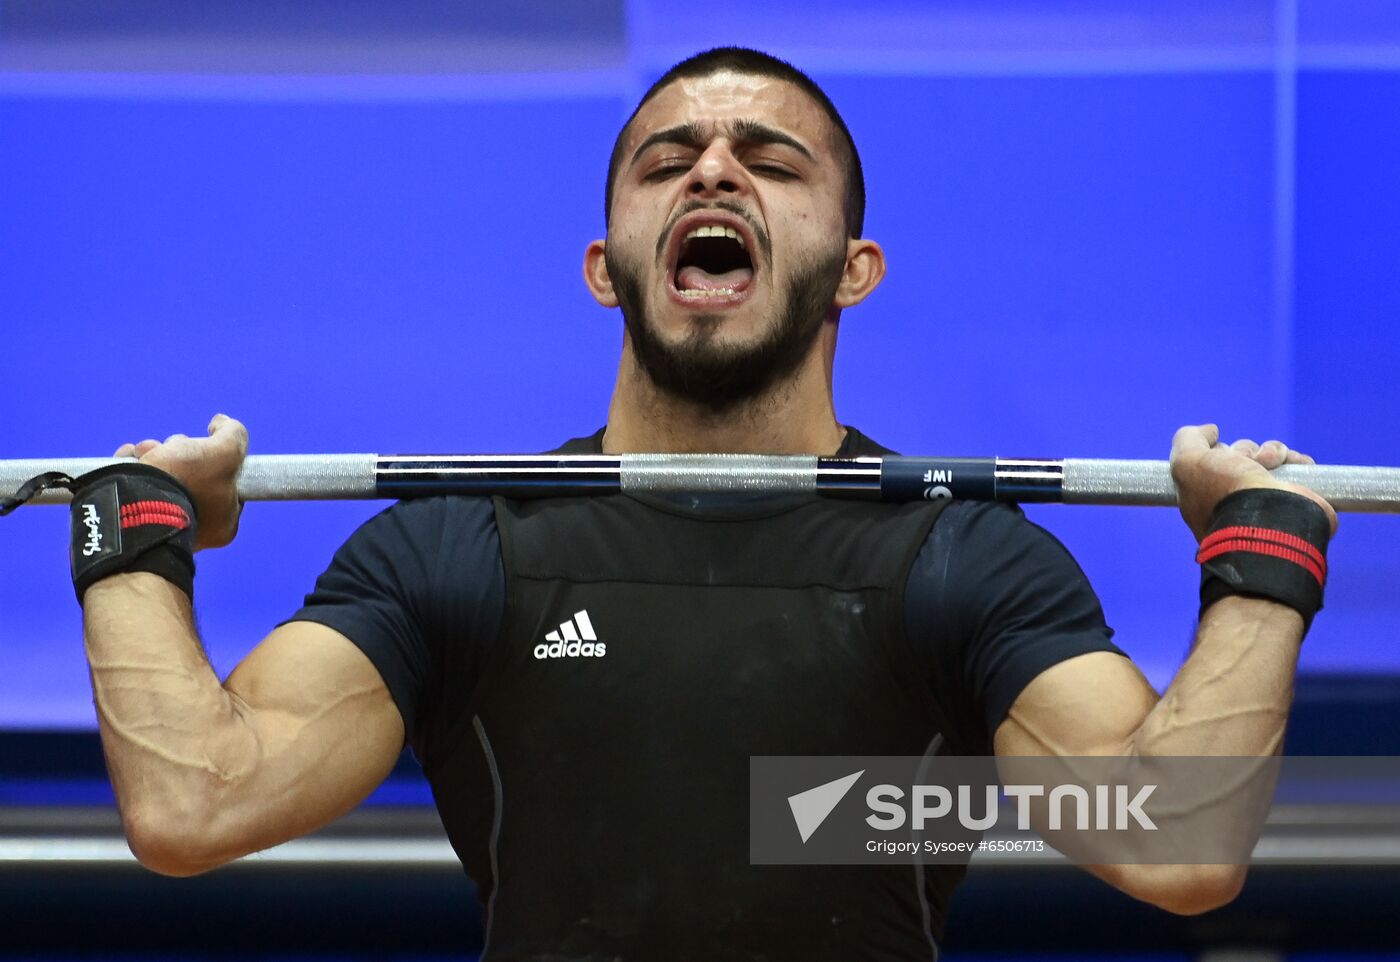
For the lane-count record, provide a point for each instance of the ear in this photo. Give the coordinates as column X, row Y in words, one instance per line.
column 865, row 268
column 595, row 274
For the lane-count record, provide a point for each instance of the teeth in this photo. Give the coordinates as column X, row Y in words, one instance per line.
column 715, row 230
column 721, row 292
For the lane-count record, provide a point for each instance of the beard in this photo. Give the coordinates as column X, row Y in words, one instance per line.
column 721, row 376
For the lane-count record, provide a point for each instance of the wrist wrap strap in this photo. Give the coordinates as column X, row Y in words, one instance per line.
column 131, row 517
column 1267, row 543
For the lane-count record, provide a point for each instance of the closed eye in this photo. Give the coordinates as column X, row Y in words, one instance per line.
column 662, row 173
column 782, row 173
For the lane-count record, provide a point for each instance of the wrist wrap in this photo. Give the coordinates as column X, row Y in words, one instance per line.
column 131, row 517
column 1267, row 543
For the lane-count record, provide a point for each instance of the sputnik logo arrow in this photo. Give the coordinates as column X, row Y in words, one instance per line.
column 810, row 808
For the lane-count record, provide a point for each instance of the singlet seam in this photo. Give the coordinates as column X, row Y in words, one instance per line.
column 498, row 804
column 504, row 537
column 899, row 610
column 920, row 875
column 979, row 739
column 430, row 700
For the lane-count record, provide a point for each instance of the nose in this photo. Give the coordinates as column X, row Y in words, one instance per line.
column 717, row 172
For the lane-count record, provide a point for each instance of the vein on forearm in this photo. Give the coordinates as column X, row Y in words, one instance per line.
column 155, row 693
column 1232, row 695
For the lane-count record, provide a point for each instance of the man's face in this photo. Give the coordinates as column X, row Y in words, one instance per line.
column 727, row 236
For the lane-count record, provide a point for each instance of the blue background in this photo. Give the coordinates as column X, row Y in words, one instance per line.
column 359, row 227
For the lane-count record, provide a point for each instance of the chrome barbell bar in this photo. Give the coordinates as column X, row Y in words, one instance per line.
column 320, row 477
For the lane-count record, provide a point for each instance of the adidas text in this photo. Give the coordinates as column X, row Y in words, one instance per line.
column 573, row 638
column 574, row 649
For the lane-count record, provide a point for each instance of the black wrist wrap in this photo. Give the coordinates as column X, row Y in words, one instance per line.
column 1267, row 543
column 131, row 517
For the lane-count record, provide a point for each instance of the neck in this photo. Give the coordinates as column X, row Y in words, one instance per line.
column 794, row 416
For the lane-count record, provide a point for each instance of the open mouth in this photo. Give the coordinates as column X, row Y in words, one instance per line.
column 713, row 262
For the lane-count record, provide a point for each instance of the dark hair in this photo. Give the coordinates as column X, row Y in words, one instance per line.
column 744, row 60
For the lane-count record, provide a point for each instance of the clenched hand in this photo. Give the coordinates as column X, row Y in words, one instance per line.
column 209, row 468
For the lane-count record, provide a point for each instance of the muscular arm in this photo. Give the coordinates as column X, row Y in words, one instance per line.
column 1230, row 697
column 205, row 772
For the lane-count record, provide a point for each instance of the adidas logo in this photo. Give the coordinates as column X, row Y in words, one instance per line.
column 573, row 639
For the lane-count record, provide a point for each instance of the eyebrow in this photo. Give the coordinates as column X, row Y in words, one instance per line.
column 695, row 135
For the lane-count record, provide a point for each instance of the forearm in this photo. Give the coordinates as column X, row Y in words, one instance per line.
column 174, row 738
column 1207, row 746
column 1232, row 695
column 204, row 772
column 1230, row 698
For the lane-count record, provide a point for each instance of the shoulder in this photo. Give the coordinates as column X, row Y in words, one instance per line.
column 429, row 523
column 979, row 524
column 973, row 523
column 987, row 550
column 435, row 511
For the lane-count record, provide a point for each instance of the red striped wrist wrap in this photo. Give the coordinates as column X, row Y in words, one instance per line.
column 131, row 517
column 1267, row 543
